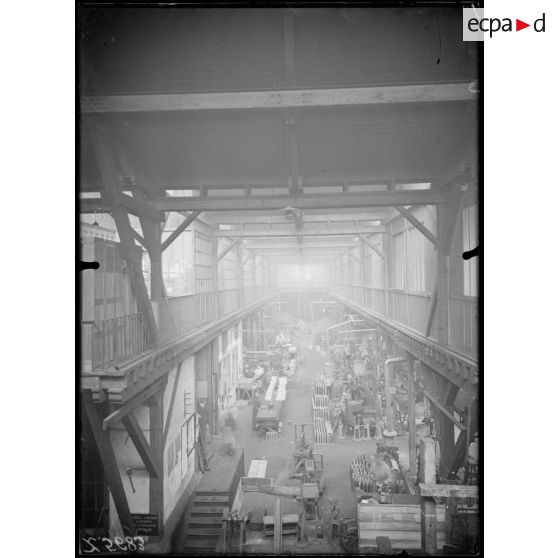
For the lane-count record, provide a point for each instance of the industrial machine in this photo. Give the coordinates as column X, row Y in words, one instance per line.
column 306, row 464
column 267, row 417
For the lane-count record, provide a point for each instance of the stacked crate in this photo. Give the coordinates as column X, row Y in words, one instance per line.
column 323, row 433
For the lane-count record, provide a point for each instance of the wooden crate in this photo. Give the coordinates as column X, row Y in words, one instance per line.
column 401, row 523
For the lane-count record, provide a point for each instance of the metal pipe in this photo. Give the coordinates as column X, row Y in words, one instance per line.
column 389, row 409
column 352, row 321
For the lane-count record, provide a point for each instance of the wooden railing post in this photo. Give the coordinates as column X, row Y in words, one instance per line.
column 427, row 503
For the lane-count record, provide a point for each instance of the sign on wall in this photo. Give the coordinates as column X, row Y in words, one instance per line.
column 146, row 523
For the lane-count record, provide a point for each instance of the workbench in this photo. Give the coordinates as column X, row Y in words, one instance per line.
column 257, row 469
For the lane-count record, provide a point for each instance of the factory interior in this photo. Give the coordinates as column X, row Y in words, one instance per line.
column 279, row 325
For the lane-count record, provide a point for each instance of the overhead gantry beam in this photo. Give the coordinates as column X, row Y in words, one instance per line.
column 282, row 99
column 293, row 233
column 307, row 201
column 373, row 182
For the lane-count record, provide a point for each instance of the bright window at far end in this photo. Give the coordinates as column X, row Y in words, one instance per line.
column 470, row 241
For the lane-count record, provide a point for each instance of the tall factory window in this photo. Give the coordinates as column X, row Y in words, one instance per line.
column 416, row 264
column 470, row 241
column 399, row 263
column 203, row 259
column 177, row 261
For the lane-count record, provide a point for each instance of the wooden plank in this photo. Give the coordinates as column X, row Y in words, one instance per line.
column 389, row 526
column 403, row 544
column 156, row 486
column 448, row 490
column 401, row 535
column 409, row 546
column 381, row 512
column 171, row 404
column 403, row 526
column 142, row 446
column 279, row 99
column 108, row 460
column 388, row 516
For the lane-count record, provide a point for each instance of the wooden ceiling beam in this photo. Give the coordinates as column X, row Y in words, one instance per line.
column 308, row 218
column 279, row 99
column 259, row 203
column 294, row 233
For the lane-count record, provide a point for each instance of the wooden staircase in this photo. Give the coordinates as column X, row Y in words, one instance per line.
column 203, row 522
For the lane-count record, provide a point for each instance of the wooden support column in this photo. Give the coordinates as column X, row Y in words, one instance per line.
column 363, row 270
column 156, row 443
column 411, row 417
column 385, row 275
column 446, row 217
column 428, row 505
column 278, row 531
column 442, row 334
column 240, row 268
column 143, row 447
column 390, row 427
column 109, row 173
column 110, row 465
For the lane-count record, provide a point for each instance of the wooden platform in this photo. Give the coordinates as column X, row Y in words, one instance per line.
column 401, row 523
column 222, row 474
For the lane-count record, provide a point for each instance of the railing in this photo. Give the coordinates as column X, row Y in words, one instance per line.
column 108, row 342
column 303, row 286
column 239, row 473
column 411, row 309
column 191, row 311
column 228, row 301
column 255, row 292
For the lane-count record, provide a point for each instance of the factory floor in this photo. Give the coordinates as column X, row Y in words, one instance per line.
column 279, row 454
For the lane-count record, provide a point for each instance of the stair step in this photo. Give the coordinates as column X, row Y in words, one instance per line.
column 208, row 510
column 210, row 521
column 214, row 532
column 212, row 492
column 199, row 551
column 209, row 500
column 199, row 543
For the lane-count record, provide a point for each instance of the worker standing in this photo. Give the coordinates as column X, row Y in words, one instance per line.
column 473, row 453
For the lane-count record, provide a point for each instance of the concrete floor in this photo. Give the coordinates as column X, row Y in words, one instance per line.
column 337, row 457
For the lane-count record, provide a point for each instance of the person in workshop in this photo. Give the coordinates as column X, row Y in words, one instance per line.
column 473, row 453
column 381, row 470
column 259, row 371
